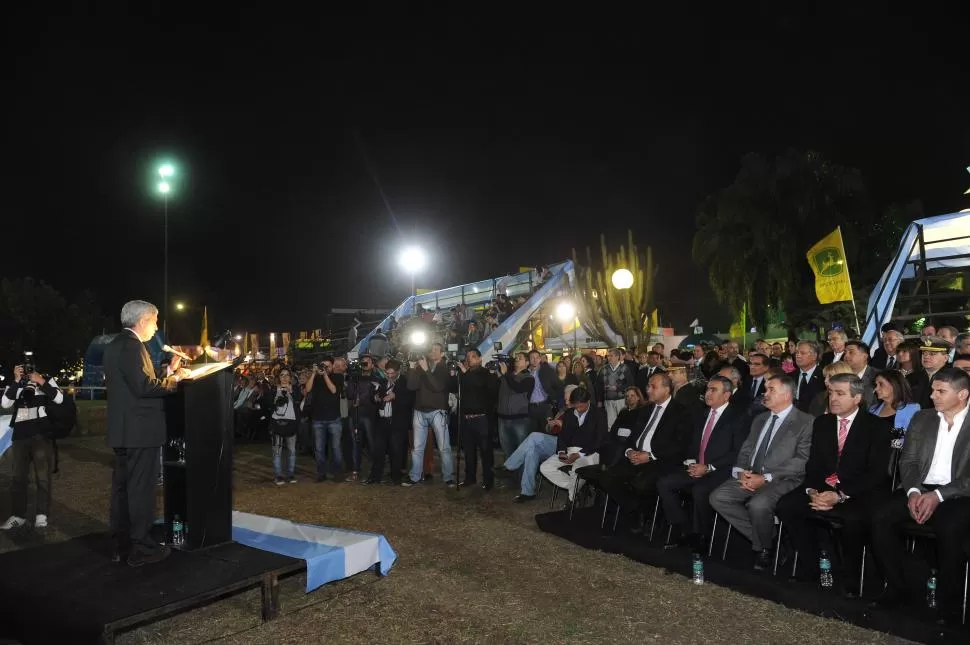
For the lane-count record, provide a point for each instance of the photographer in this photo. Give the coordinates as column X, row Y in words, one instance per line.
column 362, row 387
column 286, row 402
column 514, row 390
column 478, row 388
column 394, row 401
column 324, row 387
column 430, row 379
column 28, row 396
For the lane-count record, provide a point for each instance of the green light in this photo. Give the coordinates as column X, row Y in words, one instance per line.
column 164, row 188
column 166, row 170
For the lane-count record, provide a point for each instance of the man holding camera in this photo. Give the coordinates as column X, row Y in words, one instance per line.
column 27, row 397
column 362, row 387
column 324, row 386
column 477, row 387
column 430, row 380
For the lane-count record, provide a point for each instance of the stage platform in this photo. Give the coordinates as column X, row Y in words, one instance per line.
column 915, row 624
column 70, row 592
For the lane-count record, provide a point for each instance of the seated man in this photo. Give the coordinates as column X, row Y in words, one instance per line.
column 537, row 448
column 844, row 479
column 583, row 428
column 770, row 463
column 657, row 446
column 934, row 471
column 718, row 436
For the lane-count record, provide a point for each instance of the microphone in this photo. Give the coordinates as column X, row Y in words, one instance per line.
column 171, row 350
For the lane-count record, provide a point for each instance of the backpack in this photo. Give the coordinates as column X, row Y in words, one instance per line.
column 63, row 417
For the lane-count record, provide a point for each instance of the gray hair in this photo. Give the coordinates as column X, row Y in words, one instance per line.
column 856, row 386
column 838, row 332
column 812, row 346
column 785, row 382
column 897, row 332
column 135, row 310
column 735, row 375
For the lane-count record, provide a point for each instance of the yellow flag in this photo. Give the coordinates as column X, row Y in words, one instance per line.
column 205, row 328
column 539, row 338
column 827, row 259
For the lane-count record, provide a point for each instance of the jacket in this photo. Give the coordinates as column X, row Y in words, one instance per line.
column 588, row 437
column 514, row 391
column 864, row 461
column 431, row 387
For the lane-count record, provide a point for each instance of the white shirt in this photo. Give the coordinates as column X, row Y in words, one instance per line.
column 718, row 413
column 941, row 468
column 774, row 432
column 837, row 356
column 581, row 418
column 653, row 428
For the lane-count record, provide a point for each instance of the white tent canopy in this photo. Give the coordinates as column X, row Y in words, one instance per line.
column 940, row 242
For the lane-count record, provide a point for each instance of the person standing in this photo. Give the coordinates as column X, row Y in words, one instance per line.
column 136, row 432
column 478, row 388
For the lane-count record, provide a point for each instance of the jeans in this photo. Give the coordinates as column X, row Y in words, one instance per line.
column 320, row 431
column 512, row 432
column 536, row 448
column 438, row 420
column 279, row 443
column 365, row 430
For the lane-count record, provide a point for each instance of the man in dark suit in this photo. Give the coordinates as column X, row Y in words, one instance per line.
column 718, row 435
column 808, row 379
column 857, row 357
column 845, row 477
column 656, row 447
column 650, row 364
column 934, row 474
column 884, row 358
column 136, row 432
column 836, row 352
column 770, row 464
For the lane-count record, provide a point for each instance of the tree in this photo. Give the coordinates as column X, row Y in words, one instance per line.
column 624, row 311
column 34, row 316
column 753, row 235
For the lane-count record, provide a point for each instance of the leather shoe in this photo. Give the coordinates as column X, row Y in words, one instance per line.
column 487, row 485
column 519, row 499
column 763, row 560
column 138, row 558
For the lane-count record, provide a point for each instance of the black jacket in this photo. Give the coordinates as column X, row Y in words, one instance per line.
column 729, row 432
column 864, row 462
column 614, row 445
column 431, row 387
column 815, row 385
column 670, row 439
column 402, row 406
column 551, row 384
column 479, row 388
column 588, row 436
column 136, row 411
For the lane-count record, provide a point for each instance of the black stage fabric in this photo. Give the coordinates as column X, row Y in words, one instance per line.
column 916, row 623
column 70, row 591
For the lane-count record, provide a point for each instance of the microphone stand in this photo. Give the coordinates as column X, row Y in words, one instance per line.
column 461, row 428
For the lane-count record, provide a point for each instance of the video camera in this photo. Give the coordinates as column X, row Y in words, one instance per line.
column 453, row 357
column 498, row 358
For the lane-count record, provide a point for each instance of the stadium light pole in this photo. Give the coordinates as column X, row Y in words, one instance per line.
column 566, row 311
column 165, row 171
column 412, row 259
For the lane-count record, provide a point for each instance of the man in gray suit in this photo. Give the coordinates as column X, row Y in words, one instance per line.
column 934, row 474
column 771, row 462
column 136, row 432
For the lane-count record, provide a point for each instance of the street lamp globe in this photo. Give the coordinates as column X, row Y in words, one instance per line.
column 164, row 187
column 180, row 306
column 166, row 170
column 622, row 279
column 412, row 259
column 566, row 312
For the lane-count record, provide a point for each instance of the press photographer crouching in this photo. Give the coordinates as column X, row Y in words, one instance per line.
column 28, row 396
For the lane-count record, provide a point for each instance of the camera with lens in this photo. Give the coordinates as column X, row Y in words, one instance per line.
column 354, row 369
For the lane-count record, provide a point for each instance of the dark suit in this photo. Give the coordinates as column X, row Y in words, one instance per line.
column 880, row 359
column 589, row 436
column 861, row 471
column 626, row 482
column 136, row 432
column 741, row 366
column 642, row 376
column 869, row 386
column 807, row 393
column 726, row 438
column 391, row 438
column 950, row 521
column 919, row 383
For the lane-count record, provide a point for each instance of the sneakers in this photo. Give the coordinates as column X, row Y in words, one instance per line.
column 293, row 479
column 40, row 522
column 14, row 522
column 353, row 479
column 407, row 483
column 279, row 481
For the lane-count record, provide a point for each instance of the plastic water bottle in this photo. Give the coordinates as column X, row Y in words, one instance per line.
column 825, row 569
column 698, row 569
column 931, row 590
column 178, row 532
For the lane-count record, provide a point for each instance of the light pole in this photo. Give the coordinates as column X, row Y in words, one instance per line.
column 412, row 259
column 165, row 171
column 566, row 311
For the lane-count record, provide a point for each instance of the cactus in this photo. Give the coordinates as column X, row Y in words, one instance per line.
column 625, row 311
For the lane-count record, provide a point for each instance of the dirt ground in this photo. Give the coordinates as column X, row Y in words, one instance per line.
column 472, row 568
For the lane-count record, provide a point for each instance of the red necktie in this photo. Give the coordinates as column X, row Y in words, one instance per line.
column 833, row 479
column 711, row 420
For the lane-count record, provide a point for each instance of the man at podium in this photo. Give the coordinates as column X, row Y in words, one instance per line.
column 136, row 432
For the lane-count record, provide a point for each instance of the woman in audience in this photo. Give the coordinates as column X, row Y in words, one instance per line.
column 908, row 357
column 895, row 399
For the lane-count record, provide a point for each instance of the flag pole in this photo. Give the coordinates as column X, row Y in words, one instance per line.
column 848, row 275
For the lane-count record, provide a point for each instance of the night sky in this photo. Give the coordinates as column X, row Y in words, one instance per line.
column 499, row 140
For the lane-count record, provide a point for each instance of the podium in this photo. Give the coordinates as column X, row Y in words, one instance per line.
column 198, row 479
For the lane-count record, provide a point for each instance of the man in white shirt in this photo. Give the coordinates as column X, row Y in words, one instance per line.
column 934, row 472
